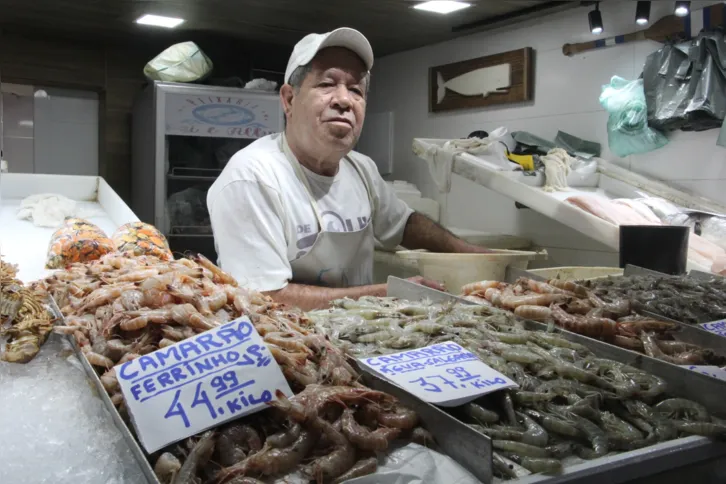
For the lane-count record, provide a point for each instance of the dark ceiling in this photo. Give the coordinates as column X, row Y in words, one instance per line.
column 391, row 25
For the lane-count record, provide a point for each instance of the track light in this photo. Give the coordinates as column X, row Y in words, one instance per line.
column 595, row 20
column 682, row 9
column 642, row 13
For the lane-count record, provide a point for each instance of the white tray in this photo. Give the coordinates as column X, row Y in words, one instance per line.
column 612, row 182
column 22, row 243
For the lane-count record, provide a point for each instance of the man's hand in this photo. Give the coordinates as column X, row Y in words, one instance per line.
column 430, row 283
column 423, row 233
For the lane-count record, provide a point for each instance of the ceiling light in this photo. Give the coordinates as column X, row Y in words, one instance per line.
column 682, row 9
column 441, row 6
column 159, row 21
column 595, row 19
column 642, row 13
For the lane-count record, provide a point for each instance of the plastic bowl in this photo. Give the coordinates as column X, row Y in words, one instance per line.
column 457, row 270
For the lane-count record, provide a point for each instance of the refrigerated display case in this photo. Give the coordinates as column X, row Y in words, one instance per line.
column 183, row 135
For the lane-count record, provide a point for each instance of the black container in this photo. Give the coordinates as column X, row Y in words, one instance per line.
column 655, row 247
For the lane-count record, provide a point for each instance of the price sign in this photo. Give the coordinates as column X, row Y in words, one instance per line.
column 712, row 371
column 445, row 374
column 717, row 327
column 199, row 383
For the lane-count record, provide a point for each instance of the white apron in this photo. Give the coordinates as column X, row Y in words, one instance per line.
column 336, row 259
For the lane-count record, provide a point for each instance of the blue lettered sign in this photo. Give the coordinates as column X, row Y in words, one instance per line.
column 716, row 327
column 445, row 374
column 199, row 383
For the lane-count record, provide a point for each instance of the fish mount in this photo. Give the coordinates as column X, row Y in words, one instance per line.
column 504, row 78
column 668, row 29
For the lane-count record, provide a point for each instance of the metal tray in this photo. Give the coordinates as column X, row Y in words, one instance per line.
column 466, row 446
column 139, row 454
column 687, row 333
column 471, row 449
column 625, row 466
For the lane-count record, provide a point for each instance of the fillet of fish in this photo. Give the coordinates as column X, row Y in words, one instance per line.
column 479, row 82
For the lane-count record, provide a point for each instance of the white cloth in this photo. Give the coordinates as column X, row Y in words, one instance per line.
column 262, row 217
column 441, row 160
column 49, row 209
column 557, row 166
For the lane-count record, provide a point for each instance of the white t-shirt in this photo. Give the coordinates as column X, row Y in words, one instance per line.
column 262, row 217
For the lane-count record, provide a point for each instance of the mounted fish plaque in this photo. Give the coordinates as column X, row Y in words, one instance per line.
column 485, row 81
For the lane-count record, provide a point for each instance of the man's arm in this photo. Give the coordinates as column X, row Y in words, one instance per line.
column 313, row 297
column 423, row 233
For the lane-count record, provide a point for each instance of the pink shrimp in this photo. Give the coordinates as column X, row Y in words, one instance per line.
column 540, row 287
column 569, row 286
column 535, row 313
column 480, row 286
column 512, row 302
column 142, row 318
column 220, row 276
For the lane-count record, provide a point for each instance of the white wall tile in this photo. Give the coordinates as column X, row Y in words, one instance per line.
column 19, row 154
column 66, row 132
column 17, row 115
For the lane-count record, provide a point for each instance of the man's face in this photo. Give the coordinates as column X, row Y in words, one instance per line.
column 328, row 110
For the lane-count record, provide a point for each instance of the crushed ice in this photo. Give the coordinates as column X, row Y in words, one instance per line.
column 55, row 427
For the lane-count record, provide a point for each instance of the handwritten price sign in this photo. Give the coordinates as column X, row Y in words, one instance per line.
column 445, row 374
column 199, row 383
column 716, row 327
column 712, row 371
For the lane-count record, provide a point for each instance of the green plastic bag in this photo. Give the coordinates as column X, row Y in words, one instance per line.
column 628, row 130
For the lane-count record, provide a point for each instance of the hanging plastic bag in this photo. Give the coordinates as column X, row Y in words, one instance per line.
column 184, row 62
column 685, row 84
column 628, row 131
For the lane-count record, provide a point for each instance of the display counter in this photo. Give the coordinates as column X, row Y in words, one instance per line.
column 58, row 427
column 25, row 244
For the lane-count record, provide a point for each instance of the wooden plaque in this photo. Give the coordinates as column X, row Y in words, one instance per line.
column 507, row 78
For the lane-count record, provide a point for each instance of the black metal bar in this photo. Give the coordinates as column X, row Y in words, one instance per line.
column 519, row 15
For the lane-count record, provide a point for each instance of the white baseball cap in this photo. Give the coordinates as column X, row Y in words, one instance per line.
column 311, row 44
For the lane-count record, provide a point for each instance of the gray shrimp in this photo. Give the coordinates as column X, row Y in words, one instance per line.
column 361, row 468
column 520, row 448
column 198, row 457
column 273, row 461
column 509, row 408
column 529, row 398
column 520, row 355
column 500, row 432
column 706, row 429
column 555, row 425
column 480, row 414
column 537, row 464
column 534, row 435
column 508, row 468
column 676, row 406
column 285, row 438
column 594, row 434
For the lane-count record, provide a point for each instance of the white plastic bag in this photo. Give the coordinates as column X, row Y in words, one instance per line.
column 184, row 62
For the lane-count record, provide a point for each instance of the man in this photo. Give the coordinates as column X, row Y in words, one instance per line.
column 295, row 214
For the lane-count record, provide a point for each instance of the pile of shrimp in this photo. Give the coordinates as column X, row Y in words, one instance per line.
column 570, row 404
column 119, row 308
column 576, row 308
column 24, row 319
